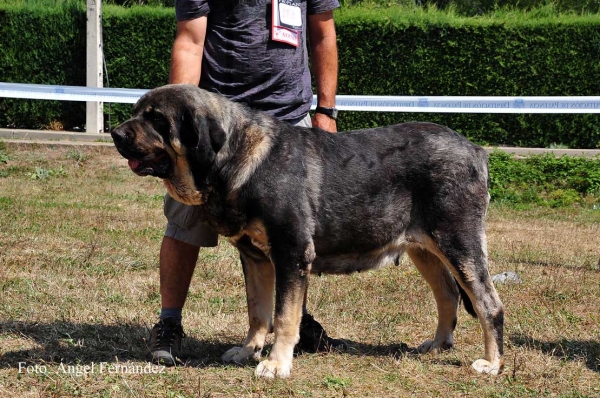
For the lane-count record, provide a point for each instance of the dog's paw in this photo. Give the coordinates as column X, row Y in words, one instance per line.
column 485, row 366
column 240, row 355
column 269, row 369
column 435, row 347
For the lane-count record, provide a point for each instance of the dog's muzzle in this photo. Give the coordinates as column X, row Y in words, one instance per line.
column 155, row 162
column 157, row 166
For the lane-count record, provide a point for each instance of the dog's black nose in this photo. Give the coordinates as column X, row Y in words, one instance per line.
column 118, row 135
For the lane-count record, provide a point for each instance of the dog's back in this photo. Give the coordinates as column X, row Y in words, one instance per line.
column 364, row 190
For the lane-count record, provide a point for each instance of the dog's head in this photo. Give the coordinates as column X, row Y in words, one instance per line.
column 174, row 135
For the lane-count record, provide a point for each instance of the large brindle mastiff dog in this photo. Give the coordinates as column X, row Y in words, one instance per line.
column 296, row 201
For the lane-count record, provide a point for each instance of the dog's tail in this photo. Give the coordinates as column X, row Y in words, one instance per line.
column 466, row 301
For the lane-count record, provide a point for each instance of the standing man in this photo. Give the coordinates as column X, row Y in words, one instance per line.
column 254, row 52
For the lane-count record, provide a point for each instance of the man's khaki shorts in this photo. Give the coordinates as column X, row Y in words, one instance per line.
column 182, row 220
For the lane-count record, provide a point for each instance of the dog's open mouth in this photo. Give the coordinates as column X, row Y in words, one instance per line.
column 153, row 165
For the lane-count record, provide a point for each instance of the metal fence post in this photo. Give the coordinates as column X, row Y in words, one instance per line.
column 94, row 118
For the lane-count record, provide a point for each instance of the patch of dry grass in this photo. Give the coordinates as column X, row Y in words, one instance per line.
column 79, row 240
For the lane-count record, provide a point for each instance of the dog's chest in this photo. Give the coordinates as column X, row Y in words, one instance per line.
column 180, row 191
column 257, row 233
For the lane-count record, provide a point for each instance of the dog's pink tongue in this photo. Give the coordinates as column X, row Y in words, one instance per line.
column 133, row 164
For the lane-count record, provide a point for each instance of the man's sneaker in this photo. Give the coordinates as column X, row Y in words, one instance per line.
column 164, row 344
column 313, row 338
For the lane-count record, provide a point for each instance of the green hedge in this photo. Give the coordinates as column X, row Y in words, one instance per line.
column 514, row 54
column 43, row 46
column 383, row 51
column 46, row 45
column 137, row 47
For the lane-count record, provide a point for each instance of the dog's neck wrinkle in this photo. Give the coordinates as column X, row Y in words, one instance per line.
column 201, row 173
column 248, row 148
column 224, row 217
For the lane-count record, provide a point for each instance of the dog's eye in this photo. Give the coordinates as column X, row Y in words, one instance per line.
column 152, row 115
column 156, row 118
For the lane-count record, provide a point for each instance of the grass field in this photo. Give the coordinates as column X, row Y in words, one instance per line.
column 79, row 240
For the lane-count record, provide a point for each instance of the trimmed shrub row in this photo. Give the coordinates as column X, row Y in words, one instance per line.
column 383, row 51
column 418, row 53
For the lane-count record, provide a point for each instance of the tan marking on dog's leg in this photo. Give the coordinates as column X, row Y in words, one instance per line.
column 491, row 316
column 287, row 335
column 260, row 284
column 490, row 311
column 446, row 297
column 486, row 303
column 257, row 233
column 485, row 300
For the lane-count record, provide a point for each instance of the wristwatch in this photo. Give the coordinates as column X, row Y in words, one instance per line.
column 331, row 112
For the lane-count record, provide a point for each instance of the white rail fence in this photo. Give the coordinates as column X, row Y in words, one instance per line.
column 373, row 103
column 435, row 104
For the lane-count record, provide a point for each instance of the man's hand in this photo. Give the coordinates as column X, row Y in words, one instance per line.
column 324, row 122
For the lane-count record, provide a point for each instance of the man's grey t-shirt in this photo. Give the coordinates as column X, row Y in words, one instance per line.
column 241, row 61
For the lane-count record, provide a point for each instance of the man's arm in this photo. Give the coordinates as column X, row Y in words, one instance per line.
column 324, row 59
column 186, row 54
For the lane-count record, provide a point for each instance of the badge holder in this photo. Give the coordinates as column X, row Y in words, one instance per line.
column 287, row 22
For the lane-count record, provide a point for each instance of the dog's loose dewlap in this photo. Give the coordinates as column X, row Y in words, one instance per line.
column 296, row 201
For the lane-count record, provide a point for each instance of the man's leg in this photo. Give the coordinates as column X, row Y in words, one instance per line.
column 313, row 338
column 178, row 256
column 177, row 263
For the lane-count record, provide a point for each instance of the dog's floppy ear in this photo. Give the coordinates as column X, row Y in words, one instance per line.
column 216, row 133
column 196, row 134
column 200, row 130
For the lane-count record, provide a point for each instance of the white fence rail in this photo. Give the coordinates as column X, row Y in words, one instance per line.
column 432, row 104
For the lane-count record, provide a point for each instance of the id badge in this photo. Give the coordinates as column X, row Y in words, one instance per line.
column 287, row 22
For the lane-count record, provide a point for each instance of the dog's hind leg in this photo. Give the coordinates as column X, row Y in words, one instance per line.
column 259, row 276
column 465, row 252
column 446, row 294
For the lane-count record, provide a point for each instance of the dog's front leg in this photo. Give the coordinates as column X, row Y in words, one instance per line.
column 291, row 271
column 288, row 313
column 259, row 275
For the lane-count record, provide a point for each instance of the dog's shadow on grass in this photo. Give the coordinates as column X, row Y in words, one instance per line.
column 396, row 350
column 71, row 343
column 586, row 351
